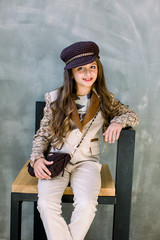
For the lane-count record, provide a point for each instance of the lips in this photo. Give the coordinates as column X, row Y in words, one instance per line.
column 87, row 79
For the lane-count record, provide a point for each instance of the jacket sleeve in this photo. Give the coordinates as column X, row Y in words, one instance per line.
column 42, row 137
column 123, row 114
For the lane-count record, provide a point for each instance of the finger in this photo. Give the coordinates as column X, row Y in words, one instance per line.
column 118, row 134
column 38, row 175
column 110, row 136
column 106, row 135
column 48, row 162
column 47, row 170
column 42, row 171
column 42, row 175
column 45, row 175
column 114, row 136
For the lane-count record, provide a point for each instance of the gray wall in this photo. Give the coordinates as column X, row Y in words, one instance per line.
column 32, row 34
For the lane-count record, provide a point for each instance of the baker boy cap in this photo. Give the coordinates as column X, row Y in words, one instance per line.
column 79, row 54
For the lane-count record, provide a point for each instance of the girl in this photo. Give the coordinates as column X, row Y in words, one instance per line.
column 68, row 112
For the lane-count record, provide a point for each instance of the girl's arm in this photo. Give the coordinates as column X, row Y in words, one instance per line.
column 122, row 117
column 122, row 114
column 42, row 137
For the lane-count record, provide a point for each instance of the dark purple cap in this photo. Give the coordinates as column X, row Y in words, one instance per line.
column 79, row 54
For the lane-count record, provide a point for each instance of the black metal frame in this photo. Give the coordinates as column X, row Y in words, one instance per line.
column 121, row 202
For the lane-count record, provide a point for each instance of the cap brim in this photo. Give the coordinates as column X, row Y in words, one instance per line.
column 80, row 62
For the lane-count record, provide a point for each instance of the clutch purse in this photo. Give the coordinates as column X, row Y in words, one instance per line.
column 60, row 159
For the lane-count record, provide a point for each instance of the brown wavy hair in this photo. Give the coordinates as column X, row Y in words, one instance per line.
column 64, row 105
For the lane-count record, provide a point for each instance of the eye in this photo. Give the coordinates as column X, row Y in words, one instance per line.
column 93, row 67
column 80, row 68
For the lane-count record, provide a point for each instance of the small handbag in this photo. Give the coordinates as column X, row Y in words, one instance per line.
column 60, row 159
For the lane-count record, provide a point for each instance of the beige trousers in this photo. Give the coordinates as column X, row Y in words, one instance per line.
column 86, row 182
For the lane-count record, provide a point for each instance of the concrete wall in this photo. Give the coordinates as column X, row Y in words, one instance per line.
column 32, row 34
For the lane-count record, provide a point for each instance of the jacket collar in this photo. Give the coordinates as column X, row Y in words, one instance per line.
column 92, row 110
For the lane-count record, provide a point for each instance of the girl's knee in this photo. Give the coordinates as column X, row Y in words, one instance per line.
column 86, row 205
column 48, row 205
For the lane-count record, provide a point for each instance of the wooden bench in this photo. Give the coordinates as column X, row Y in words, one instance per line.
column 24, row 188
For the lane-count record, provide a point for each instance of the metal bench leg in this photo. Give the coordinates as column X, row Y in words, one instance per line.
column 124, row 174
column 39, row 232
column 16, row 213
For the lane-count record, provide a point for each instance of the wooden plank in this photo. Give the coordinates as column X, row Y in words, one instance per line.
column 107, row 184
column 24, row 183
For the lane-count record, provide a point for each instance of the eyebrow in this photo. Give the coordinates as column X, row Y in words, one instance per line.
column 94, row 63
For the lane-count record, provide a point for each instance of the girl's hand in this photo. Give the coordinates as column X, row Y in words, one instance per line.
column 41, row 171
column 112, row 132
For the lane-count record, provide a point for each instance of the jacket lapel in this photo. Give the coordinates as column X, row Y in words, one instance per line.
column 93, row 107
column 75, row 118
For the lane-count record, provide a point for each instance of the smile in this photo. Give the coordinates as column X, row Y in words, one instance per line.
column 87, row 79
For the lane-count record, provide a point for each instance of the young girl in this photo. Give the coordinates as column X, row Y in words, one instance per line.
column 68, row 112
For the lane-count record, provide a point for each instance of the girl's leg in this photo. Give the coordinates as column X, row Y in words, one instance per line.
column 86, row 183
column 49, row 205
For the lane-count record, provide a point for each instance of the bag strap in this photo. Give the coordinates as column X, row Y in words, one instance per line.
column 85, row 133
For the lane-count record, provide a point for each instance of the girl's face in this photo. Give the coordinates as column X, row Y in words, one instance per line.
column 85, row 76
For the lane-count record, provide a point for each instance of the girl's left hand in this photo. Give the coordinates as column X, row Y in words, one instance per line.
column 112, row 133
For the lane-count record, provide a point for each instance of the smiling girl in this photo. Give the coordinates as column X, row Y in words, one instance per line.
column 68, row 112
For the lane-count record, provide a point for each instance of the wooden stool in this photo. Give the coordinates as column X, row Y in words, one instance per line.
column 24, row 183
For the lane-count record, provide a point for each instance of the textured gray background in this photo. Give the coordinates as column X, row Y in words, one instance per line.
column 32, row 34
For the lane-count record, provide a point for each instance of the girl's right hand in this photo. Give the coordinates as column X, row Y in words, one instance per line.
column 40, row 169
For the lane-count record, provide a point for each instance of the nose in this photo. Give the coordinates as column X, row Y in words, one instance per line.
column 87, row 72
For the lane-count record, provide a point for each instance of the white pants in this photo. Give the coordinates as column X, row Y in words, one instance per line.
column 86, row 182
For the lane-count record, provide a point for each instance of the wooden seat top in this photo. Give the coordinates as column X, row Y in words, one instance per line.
column 24, row 183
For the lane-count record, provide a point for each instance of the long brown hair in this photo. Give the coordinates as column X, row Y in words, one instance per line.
column 63, row 106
